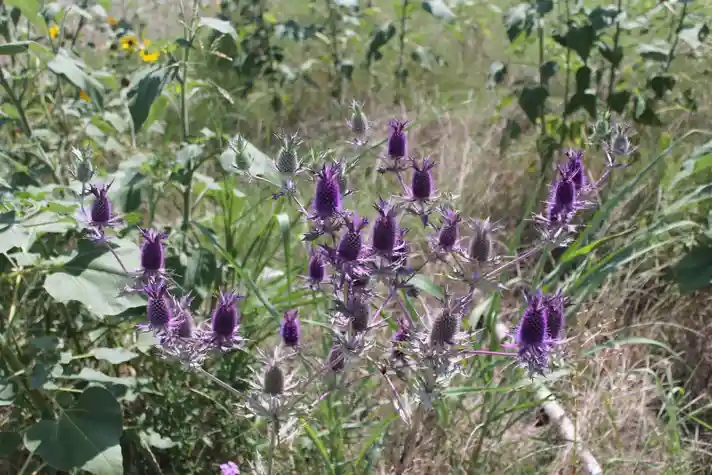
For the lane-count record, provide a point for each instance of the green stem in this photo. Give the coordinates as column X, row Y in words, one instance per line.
column 671, row 55
column 26, row 127
column 274, row 429
column 401, row 42
column 616, row 39
column 540, row 34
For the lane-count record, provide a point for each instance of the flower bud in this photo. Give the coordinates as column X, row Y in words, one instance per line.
column 358, row 312
column 274, row 381
column 397, row 145
column 358, row 123
column 287, row 161
column 481, row 244
column 336, row 359
column 226, row 316
column 350, row 245
column 327, row 194
column 290, row 329
column 385, row 228
column 158, row 308
column 83, row 168
column 444, row 329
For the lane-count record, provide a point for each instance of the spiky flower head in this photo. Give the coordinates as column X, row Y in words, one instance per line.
column 158, row 308
column 563, row 199
column 358, row 123
column 358, row 312
column 449, row 230
column 287, row 161
column 327, row 194
column 336, row 360
column 184, row 317
column 316, row 270
column 531, row 337
column 397, row 146
column 619, row 144
column 290, row 330
column 101, row 209
column 445, row 327
column 385, row 228
column 421, row 187
column 274, row 380
column 574, row 167
column 226, row 316
column 83, row 168
column 402, row 335
column 351, row 243
column 152, row 249
column 555, row 316
column 481, row 248
column 229, row 468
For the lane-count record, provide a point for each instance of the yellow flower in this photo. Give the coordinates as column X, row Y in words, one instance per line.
column 129, row 43
column 150, row 57
column 84, row 96
column 112, row 21
column 145, row 44
column 53, row 31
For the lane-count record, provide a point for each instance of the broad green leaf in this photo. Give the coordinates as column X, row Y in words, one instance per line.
column 14, row 236
column 153, row 439
column 9, row 442
column 146, row 86
column 17, row 47
column 85, row 436
column 438, row 9
column 694, row 271
column 95, row 278
column 519, row 20
column 63, row 65
column 7, row 392
column 380, row 36
column 113, row 355
column 219, row 25
column 425, row 284
column 30, row 9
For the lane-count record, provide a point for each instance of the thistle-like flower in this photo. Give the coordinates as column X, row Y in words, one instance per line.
column 287, row 161
column 618, row 145
column 316, row 271
column 385, row 229
column 290, row 330
column 327, row 193
column 447, row 237
column 555, row 316
column 273, row 381
column 397, row 145
column 225, row 322
column 100, row 216
column 358, row 312
column 152, row 251
column 336, row 359
column 481, row 249
column 531, row 338
column 421, row 188
column 563, row 204
column 358, row 123
column 400, row 338
column 445, row 327
column 351, row 243
column 575, row 168
column 159, row 310
column 83, row 170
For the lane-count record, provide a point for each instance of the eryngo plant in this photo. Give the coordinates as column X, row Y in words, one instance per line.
column 367, row 267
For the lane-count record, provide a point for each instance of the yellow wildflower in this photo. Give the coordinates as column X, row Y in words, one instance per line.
column 150, row 57
column 129, row 43
column 53, row 31
column 84, row 96
column 112, row 21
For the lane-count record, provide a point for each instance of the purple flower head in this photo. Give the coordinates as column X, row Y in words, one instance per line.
column 385, row 228
column 397, row 147
column 316, row 269
column 357, row 310
column 351, row 243
column 445, row 328
column 158, row 309
column 101, row 208
column 290, row 330
column 336, row 359
column 226, row 316
column 481, row 247
column 327, row 194
column 421, row 188
column 563, row 199
column 555, row 316
column 152, row 250
column 574, row 167
column 531, row 335
column 229, row 468
column 184, row 318
column 449, row 230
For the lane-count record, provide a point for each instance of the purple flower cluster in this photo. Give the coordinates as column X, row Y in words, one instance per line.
column 540, row 329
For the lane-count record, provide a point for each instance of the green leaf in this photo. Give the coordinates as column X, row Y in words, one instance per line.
column 694, row 271
column 658, row 51
column 695, row 35
column 63, row 65
column 113, row 355
column 86, row 435
column 30, row 9
column 94, row 278
column 219, row 25
column 519, row 20
column 17, row 47
column 497, row 74
column 7, row 392
column 146, row 86
column 379, row 38
column 9, row 442
column 580, row 39
column 424, row 283
column 532, row 100
column 153, row 439
column 438, row 9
